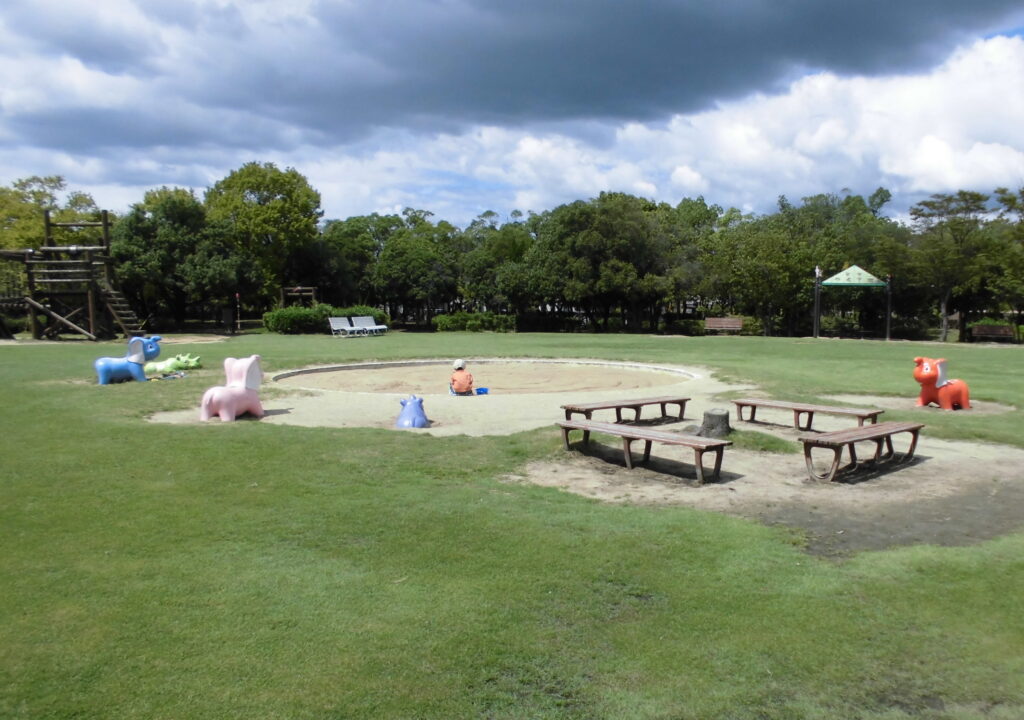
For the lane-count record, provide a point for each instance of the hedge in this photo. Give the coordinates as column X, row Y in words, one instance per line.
column 475, row 322
column 297, row 320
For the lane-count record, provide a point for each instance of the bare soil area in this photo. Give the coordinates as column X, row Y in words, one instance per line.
column 951, row 493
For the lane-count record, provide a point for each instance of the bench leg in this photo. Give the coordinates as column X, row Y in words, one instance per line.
column 698, row 463
column 796, row 419
column 913, row 445
column 565, row 436
column 637, row 411
column 627, row 452
column 752, row 410
column 647, row 450
column 618, row 415
column 881, row 456
column 827, row 476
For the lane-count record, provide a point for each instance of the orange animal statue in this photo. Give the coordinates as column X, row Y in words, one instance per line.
column 936, row 388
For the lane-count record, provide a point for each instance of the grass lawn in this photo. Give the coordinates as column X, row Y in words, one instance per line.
column 248, row 570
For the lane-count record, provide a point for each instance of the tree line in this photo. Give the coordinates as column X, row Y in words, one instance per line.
column 616, row 262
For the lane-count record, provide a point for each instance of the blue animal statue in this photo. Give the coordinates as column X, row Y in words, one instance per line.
column 412, row 415
column 132, row 365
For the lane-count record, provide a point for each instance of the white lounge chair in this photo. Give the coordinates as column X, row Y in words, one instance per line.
column 369, row 324
column 342, row 327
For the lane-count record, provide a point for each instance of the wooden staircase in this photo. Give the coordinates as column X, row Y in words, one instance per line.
column 121, row 311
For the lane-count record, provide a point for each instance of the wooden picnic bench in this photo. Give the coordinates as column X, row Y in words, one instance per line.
column 632, row 433
column 587, row 409
column 733, row 324
column 809, row 409
column 992, row 331
column 880, row 433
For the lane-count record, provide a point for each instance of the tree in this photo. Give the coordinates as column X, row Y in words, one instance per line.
column 416, row 268
column 949, row 244
column 22, row 206
column 271, row 215
column 151, row 245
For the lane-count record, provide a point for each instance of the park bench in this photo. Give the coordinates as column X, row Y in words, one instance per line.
column 880, row 433
column 587, row 409
column 733, row 324
column 799, row 409
column 632, row 433
column 341, row 327
column 1004, row 332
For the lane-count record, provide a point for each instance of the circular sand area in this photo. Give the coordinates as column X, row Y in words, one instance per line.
column 430, row 377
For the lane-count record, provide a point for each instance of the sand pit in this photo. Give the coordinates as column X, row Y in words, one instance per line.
column 951, row 494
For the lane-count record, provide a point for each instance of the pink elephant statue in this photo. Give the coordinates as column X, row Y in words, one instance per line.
column 241, row 393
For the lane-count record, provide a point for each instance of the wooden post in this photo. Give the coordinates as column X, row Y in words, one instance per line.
column 90, row 291
column 37, row 332
column 105, row 216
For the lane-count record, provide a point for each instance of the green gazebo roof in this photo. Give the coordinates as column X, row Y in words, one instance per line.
column 853, row 276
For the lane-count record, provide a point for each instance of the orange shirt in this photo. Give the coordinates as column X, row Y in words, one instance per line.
column 462, row 381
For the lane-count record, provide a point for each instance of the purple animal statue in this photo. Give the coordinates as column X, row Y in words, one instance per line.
column 241, row 393
column 412, row 415
column 132, row 365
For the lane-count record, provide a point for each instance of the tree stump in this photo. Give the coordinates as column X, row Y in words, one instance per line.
column 715, row 425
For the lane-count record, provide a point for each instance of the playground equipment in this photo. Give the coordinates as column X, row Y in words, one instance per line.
column 239, row 395
column 412, row 415
column 131, row 366
column 174, row 364
column 72, row 285
column 936, row 388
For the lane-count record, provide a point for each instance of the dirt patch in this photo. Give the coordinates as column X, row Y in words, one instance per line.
column 952, row 493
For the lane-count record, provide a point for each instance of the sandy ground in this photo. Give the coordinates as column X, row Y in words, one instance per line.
column 951, row 493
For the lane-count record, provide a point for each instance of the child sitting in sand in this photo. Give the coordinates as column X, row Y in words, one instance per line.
column 461, row 382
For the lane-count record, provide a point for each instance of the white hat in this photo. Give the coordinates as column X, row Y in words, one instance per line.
column 459, row 365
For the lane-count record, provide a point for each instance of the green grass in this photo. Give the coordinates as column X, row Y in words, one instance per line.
column 252, row 570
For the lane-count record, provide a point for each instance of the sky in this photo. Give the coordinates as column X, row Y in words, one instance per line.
column 459, row 107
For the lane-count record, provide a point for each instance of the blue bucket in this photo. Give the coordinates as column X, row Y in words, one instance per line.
column 481, row 391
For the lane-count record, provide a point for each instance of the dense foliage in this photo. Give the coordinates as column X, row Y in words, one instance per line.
column 616, row 262
column 296, row 320
column 475, row 322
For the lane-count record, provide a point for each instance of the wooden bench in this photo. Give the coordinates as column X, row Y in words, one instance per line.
column 880, row 433
column 632, row 433
column 734, row 324
column 587, row 409
column 1004, row 332
column 799, row 409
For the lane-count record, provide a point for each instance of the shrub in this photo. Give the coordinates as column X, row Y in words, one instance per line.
column 16, row 324
column 475, row 322
column 297, row 320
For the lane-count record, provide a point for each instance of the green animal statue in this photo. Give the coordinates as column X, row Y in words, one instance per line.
column 174, row 364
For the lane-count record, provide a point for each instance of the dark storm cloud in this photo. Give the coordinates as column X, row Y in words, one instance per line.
column 341, row 70
column 433, row 65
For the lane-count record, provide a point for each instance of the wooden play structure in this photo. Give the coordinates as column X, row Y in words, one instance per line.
column 72, row 285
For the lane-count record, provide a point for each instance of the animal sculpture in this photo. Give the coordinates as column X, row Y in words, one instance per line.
column 239, row 395
column 131, row 366
column 936, row 388
column 174, row 364
column 412, row 415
